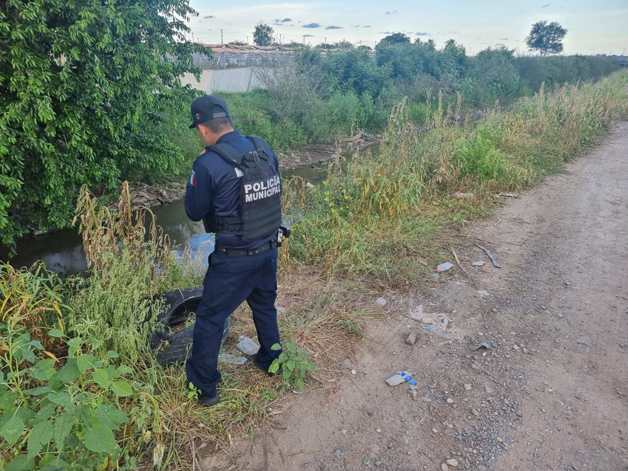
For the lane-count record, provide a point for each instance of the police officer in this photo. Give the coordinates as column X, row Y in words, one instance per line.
column 235, row 189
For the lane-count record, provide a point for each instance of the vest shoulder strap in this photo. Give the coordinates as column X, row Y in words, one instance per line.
column 259, row 143
column 228, row 153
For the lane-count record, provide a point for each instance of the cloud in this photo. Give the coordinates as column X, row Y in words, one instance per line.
column 334, row 27
column 504, row 39
column 421, row 34
column 547, row 5
column 361, row 26
column 282, row 21
column 208, row 17
column 392, row 12
column 312, row 25
column 308, row 35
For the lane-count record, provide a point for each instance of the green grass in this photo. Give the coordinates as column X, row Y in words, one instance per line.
column 381, row 213
column 381, row 219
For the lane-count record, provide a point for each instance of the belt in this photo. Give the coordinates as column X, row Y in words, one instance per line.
column 241, row 252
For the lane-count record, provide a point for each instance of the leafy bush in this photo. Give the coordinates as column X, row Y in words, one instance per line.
column 81, row 88
column 60, row 407
column 294, row 364
column 62, row 417
column 479, row 156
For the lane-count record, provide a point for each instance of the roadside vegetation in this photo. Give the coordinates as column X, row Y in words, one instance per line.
column 85, row 102
column 376, row 211
column 80, row 387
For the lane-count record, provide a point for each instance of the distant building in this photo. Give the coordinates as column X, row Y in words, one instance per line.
column 239, row 55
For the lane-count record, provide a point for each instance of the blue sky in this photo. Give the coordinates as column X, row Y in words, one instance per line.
column 594, row 27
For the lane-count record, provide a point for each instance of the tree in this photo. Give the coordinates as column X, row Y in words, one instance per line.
column 82, row 87
column 392, row 39
column 263, row 35
column 546, row 38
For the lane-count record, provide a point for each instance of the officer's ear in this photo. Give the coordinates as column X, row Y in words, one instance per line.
column 204, row 133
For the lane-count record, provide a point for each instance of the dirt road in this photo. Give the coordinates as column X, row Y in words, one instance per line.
column 553, row 392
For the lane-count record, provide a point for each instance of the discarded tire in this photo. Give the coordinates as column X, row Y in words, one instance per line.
column 172, row 341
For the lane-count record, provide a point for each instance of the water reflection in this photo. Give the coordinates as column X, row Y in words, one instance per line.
column 62, row 251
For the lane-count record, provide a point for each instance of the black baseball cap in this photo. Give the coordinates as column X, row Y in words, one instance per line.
column 206, row 108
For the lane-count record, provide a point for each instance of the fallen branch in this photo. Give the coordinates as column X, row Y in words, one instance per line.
column 490, row 256
column 458, row 262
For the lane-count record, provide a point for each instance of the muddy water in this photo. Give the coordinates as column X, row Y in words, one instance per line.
column 61, row 251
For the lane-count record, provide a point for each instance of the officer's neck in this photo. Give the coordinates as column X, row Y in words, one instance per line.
column 222, row 134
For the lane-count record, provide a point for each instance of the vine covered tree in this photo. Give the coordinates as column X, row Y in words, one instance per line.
column 82, row 86
column 263, row 35
column 546, row 38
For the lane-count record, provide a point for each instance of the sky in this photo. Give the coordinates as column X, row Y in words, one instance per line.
column 593, row 27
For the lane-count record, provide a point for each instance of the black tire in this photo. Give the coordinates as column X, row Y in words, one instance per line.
column 172, row 340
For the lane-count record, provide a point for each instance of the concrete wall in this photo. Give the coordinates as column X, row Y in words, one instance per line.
column 243, row 79
column 225, row 58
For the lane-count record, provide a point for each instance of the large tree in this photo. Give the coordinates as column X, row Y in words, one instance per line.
column 82, row 84
column 263, row 35
column 393, row 39
column 546, row 38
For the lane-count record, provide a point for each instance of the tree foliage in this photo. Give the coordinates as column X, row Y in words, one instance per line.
column 82, row 85
column 263, row 35
column 395, row 38
column 546, row 38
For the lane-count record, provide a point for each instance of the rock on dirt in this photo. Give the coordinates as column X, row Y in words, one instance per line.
column 452, row 462
column 381, row 302
column 444, row 267
column 411, row 338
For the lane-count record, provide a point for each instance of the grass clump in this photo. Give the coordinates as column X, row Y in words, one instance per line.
column 377, row 213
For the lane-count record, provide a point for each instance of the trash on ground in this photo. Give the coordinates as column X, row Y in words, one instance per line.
column 489, row 255
column 231, row 359
column 444, row 267
column 483, row 293
column 436, row 324
column 247, row 345
column 400, row 378
column 478, row 264
column 508, row 195
column 411, row 338
column 486, row 345
column 408, row 378
column 395, row 380
column 381, row 302
column 452, row 462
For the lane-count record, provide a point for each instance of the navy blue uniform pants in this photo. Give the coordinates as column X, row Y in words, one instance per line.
column 230, row 280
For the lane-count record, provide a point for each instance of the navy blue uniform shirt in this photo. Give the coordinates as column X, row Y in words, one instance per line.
column 214, row 190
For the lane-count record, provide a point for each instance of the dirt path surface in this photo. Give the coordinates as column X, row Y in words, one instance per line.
column 551, row 390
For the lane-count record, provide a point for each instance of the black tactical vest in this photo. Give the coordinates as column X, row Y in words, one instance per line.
column 260, row 193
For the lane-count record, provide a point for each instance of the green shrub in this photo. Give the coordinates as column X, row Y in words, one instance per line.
column 81, row 87
column 479, row 156
column 293, row 363
column 61, row 407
